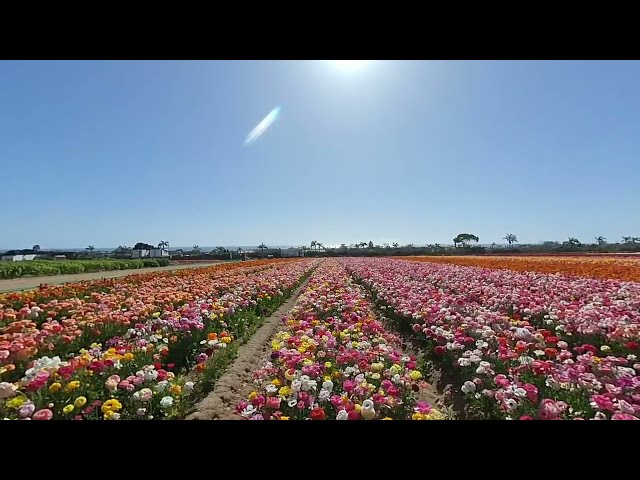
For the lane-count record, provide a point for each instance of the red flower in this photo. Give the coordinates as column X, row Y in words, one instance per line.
column 589, row 348
column 439, row 350
column 157, row 365
column 631, row 345
column 171, row 365
column 550, row 352
column 552, row 340
column 317, row 414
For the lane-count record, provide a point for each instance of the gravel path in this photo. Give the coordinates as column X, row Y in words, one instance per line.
column 236, row 383
column 14, row 284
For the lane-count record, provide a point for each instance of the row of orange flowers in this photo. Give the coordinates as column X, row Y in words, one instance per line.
column 594, row 267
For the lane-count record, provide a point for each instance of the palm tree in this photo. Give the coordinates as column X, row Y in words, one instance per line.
column 313, row 244
column 162, row 245
column 600, row 240
column 320, row 246
column 395, row 244
column 196, row 250
column 36, row 248
column 627, row 239
column 510, row 238
column 262, row 247
column 343, row 246
column 362, row 244
column 573, row 241
column 437, row 246
column 91, row 248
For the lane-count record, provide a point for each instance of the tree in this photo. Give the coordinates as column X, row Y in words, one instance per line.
column 162, row 245
column 437, row 247
column 196, row 250
column 262, row 247
column 510, row 238
column 91, row 248
column 396, row 245
column 574, row 242
column 319, row 246
column 464, row 239
column 122, row 250
column 627, row 239
column 343, row 246
column 313, row 244
column 370, row 244
column 36, row 248
column 363, row 244
column 600, row 240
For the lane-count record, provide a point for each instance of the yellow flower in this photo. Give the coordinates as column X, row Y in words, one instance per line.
column 375, row 376
column 395, row 369
column 15, row 402
column 68, row 409
column 275, row 345
column 111, row 405
column 307, row 362
column 55, row 387
column 111, row 351
column 71, row 386
column 285, row 391
column 128, row 356
column 80, row 402
column 335, row 374
column 175, row 389
column 377, row 366
column 597, row 359
column 284, row 418
column 253, row 395
column 415, row 375
column 605, row 348
column 108, row 414
column 326, row 378
column 387, row 418
column 156, row 315
column 226, row 339
column 358, row 407
column 86, row 357
column 290, row 374
column 327, row 364
column 435, row 415
column 276, row 382
column 302, row 349
column 417, row 416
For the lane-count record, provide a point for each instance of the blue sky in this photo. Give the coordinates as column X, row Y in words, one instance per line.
column 111, row 153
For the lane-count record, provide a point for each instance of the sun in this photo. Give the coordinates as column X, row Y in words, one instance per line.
column 349, row 65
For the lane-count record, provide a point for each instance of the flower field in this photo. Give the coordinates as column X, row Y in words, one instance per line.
column 520, row 345
column 333, row 360
column 138, row 347
column 595, row 267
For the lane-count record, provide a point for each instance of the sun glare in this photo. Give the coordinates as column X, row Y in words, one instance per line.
column 348, row 65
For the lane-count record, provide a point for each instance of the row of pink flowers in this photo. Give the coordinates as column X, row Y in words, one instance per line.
column 333, row 359
column 523, row 345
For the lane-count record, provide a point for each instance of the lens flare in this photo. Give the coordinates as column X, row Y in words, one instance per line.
column 262, row 127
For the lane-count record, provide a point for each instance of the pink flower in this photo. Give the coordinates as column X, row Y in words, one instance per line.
column 273, row 403
column 600, row 402
column 623, row 416
column 44, row 414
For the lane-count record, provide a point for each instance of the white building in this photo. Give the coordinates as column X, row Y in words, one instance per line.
column 290, row 252
column 149, row 253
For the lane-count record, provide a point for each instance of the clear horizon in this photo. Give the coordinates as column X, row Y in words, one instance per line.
column 117, row 152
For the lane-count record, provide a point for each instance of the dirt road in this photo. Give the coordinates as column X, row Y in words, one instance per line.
column 14, row 284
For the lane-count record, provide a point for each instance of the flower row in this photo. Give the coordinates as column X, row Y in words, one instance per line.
column 593, row 267
column 522, row 345
column 334, row 360
column 147, row 372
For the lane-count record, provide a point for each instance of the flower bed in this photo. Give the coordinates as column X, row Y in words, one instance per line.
column 334, row 360
column 64, row 325
column 521, row 345
column 156, row 366
column 626, row 269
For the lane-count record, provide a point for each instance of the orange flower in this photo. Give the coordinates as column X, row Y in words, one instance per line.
column 212, row 336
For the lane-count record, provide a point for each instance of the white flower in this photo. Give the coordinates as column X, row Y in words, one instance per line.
column 248, row 410
column 539, row 353
column 271, row 388
column 189, row 386
column 359, row 378
column 468, row 387
column 342, row 415
column 296, row 385
column 632, row 358
column 368, row 412
column 328, row 386
column 141, row 411
column 114, row 416
column 464, row 362
column 396, row 379
column 324, row 394
column 150, row 375
column 292, row 403
column 562, row 345
column 520, row 392
column 526, row 360
column 7, row 390
column 600, row 416
column 166, row 402
column 162, row 386
column 510, row 403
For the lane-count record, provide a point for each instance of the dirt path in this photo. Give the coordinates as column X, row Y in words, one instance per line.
column 236, row 383
column 14, row 284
